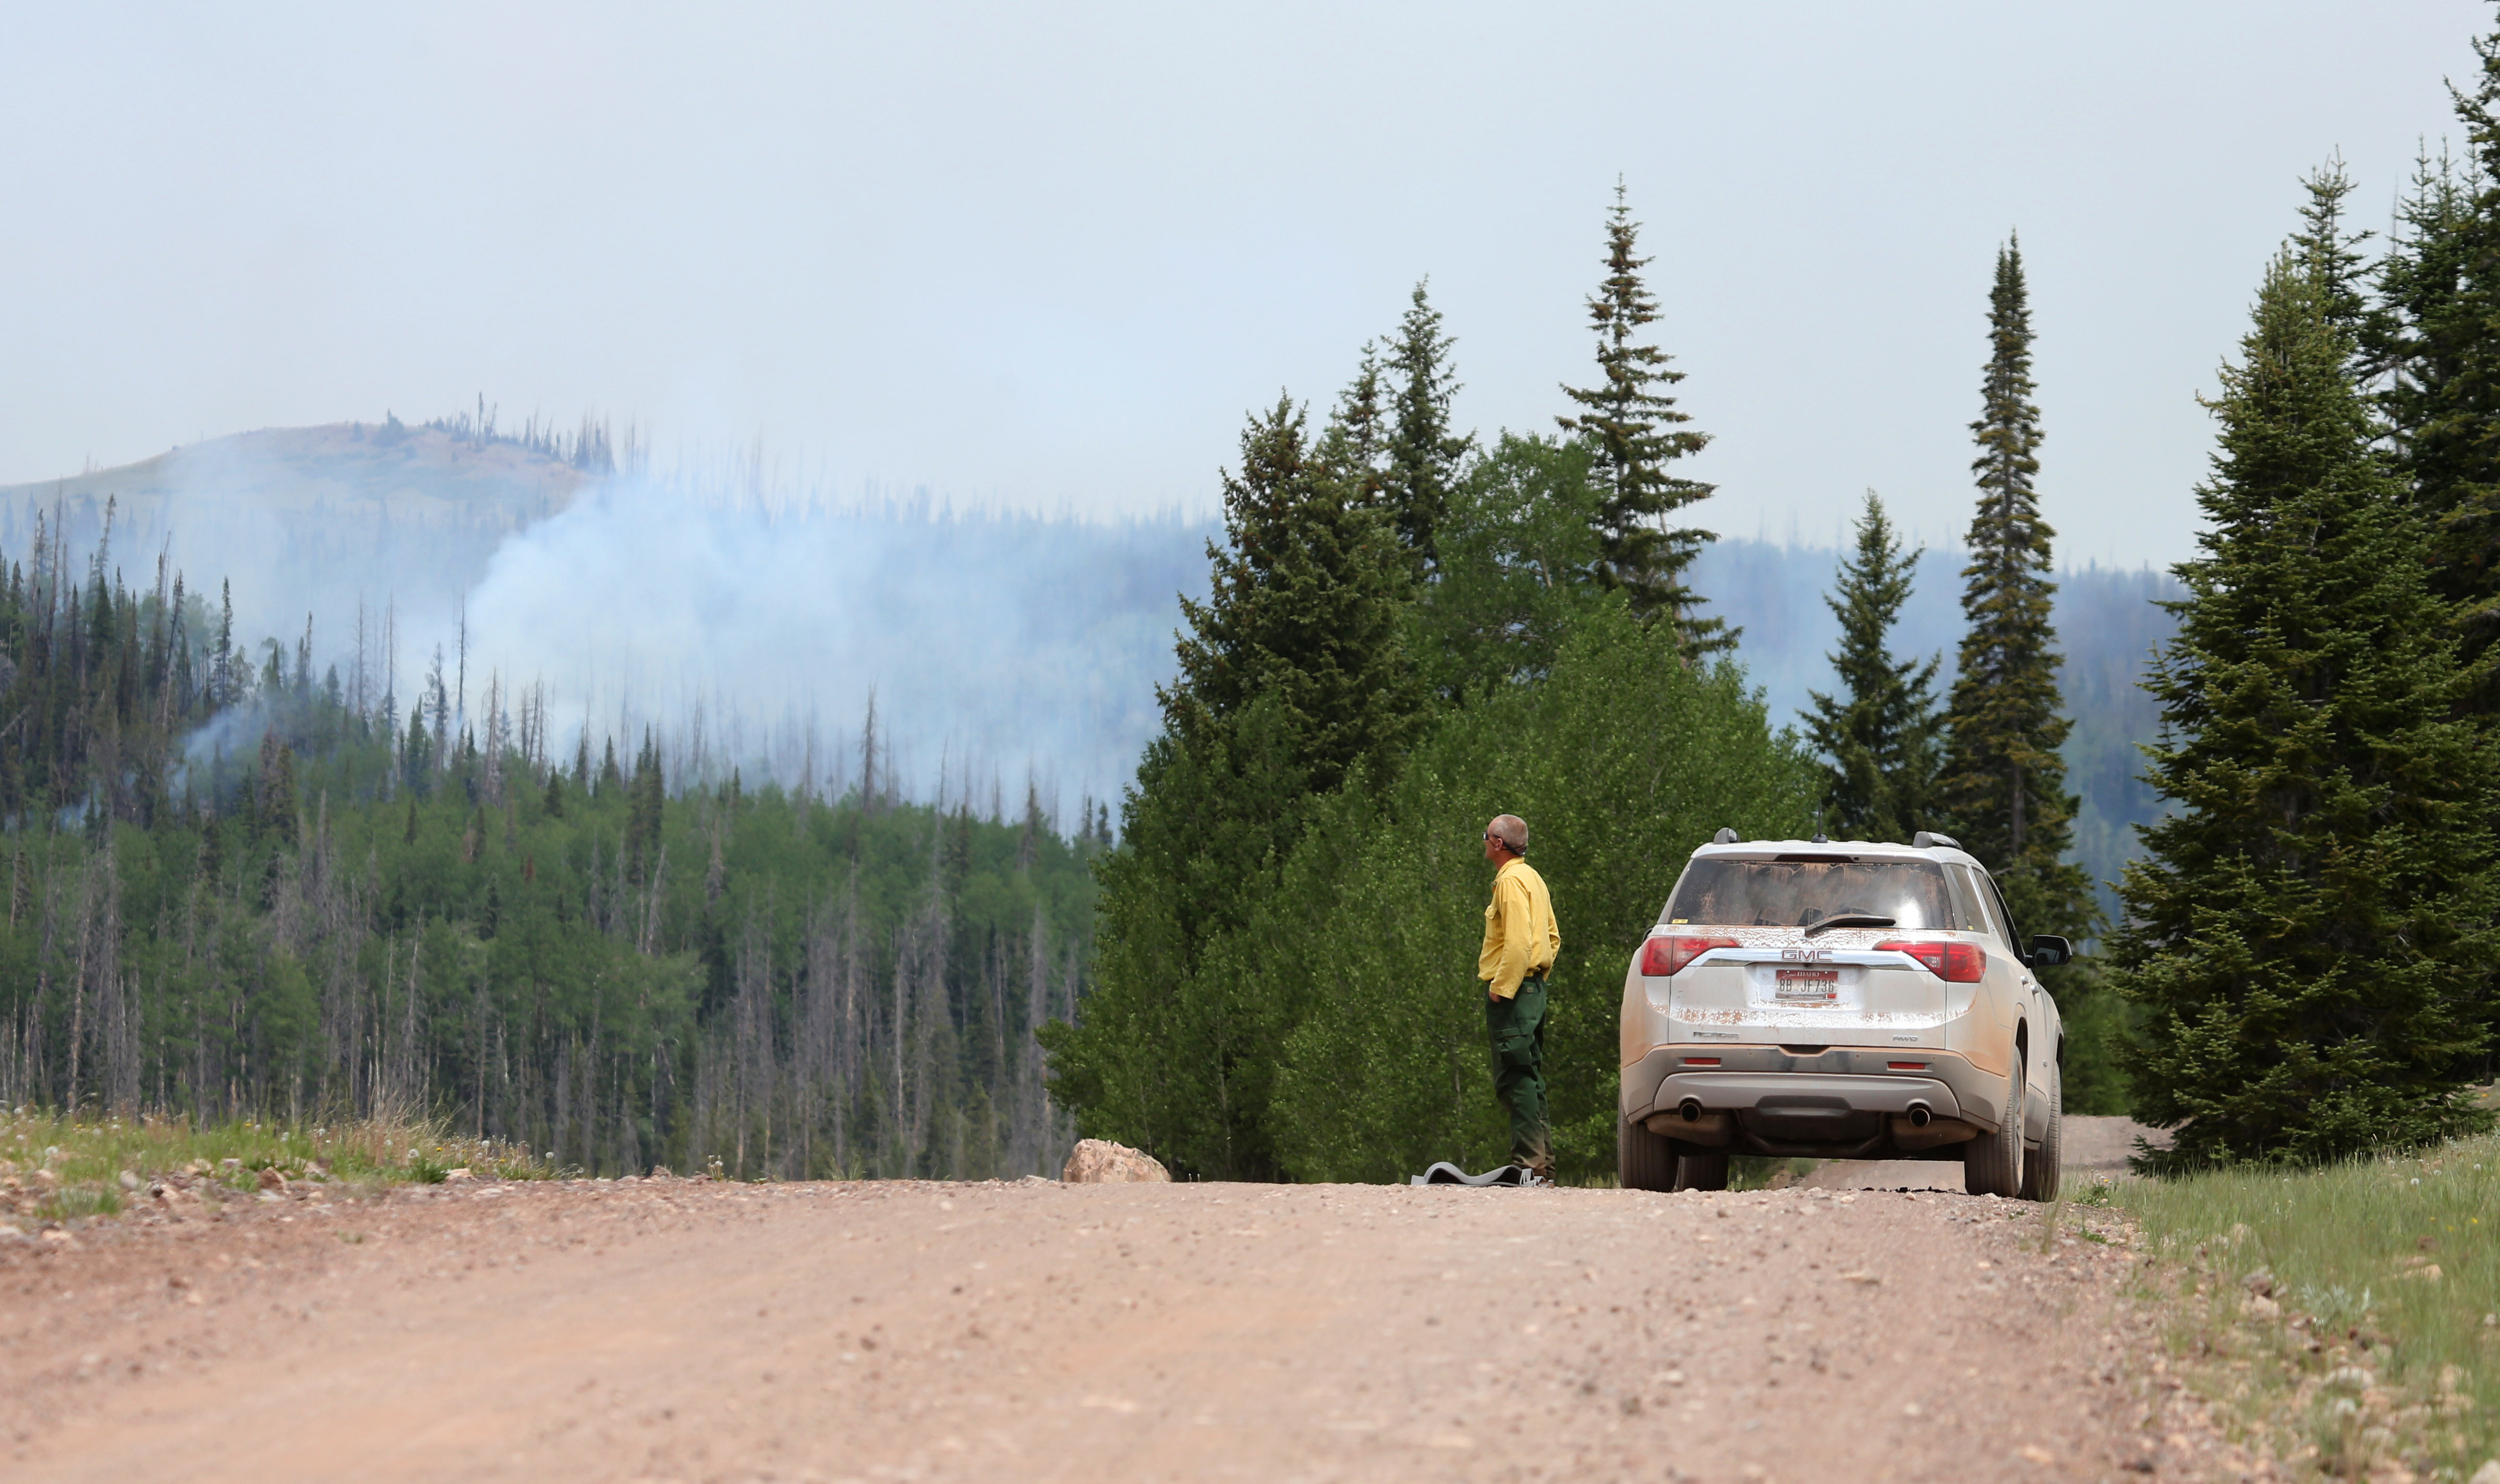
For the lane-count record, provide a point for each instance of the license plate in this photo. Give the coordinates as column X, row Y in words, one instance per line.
column 1807, row 984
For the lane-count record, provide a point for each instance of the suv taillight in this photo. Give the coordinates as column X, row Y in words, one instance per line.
column 1663, row 956
column 1950, row 960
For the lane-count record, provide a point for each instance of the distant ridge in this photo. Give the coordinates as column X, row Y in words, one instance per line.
column 426, row 474
column 307, row 520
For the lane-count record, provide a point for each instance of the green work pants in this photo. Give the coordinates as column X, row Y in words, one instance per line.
column 1516, row 1027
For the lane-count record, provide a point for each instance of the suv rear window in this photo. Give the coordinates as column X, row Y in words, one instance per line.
column 1799, row 891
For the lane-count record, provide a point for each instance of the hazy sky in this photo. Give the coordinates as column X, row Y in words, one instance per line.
column 1048, row 255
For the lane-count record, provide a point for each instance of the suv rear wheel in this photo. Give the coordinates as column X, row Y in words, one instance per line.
column 1643, row 1160
column 1992, row 1165
column 2045, row 1169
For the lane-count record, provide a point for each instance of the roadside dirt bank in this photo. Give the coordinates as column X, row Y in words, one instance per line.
column 692, row 1331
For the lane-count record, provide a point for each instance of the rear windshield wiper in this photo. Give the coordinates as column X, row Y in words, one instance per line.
column 1848, row 920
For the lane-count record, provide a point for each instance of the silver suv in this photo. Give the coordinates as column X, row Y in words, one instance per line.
column 1839, row 1000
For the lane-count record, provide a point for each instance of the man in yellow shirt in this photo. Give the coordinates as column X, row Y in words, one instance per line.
column 1520, row 945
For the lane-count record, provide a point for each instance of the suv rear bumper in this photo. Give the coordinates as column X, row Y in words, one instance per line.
column 1854, row 1078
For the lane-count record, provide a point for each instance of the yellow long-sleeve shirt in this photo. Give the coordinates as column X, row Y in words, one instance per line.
column 1520, row 937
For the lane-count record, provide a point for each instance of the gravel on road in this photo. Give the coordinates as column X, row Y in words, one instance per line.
column 690, row 1329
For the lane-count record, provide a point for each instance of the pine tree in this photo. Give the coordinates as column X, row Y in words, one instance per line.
column 2440, row 293
column 1294, row 677
column 2003, row 783
column 2332, row 257
column 183, row 682
column 221, row 679
column 416, row 756
column 645, row 803
column 278, row 807
column 2311, row 935
column 1634, row 429
column 1423, row 454
column 1307, row 602
column 1880, row 736
column 1353, row 450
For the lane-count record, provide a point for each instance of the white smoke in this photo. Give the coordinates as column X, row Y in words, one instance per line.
column 744, row 623
column 995, row 644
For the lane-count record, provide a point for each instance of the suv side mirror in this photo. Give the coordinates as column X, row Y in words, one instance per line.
column 2047, row 950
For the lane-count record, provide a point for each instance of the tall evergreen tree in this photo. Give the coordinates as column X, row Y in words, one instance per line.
column 2332, row 257
column 1636, row 432
column 1353, row 450
column 1879, row 738
column 2439, row 290
column 221, row 676
column 1423, row 454
column 2003, row 783
column 2311, row 935
column 644, row 805
column 1294, row 674
column 416, row 756
column 1307, row 602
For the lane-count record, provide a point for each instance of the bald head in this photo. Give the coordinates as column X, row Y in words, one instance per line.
column 1511, row 831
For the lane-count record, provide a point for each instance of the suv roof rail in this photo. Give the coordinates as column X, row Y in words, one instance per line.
column 1725, row 836
column 1929, row 839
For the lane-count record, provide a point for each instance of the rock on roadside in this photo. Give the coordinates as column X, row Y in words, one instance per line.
column 1100, row 1162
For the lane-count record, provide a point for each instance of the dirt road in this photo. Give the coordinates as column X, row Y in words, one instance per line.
column 685, row 1330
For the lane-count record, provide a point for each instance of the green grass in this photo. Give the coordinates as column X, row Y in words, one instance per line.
column 54, row 1167
column 2349, row 1315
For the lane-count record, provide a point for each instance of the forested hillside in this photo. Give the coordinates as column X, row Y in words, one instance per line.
column 233, row 891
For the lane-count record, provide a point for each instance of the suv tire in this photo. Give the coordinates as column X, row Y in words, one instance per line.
column 1992, row 1165
column 1703, row 1172
column 1643, row 1160
column 2044, row 1172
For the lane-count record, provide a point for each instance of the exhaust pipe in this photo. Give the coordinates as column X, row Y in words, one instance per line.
column 1691, row 1123
column 1921, row 1115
